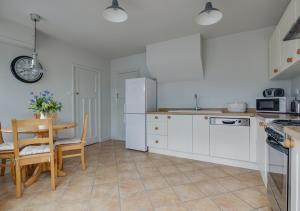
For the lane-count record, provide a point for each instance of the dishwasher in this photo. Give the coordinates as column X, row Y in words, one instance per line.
column 230, row 138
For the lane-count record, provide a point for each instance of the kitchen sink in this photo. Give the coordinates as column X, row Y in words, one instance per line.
column 219, row 111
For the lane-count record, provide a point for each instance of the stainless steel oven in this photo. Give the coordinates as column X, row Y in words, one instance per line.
column 278, row 174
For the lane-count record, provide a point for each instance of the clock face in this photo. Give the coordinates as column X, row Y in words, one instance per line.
column 20, row 68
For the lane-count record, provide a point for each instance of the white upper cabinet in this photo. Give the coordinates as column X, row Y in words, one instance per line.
column 284, row 56
column 274, row 53
column 201, row 135
column 180, row 133
column 176, row 60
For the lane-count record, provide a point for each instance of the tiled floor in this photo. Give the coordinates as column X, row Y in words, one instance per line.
column 120, row 179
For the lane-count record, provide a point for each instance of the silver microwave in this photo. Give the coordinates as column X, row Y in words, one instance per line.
column 274, row 104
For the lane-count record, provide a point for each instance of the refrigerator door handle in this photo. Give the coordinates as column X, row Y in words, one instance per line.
column 124, row 108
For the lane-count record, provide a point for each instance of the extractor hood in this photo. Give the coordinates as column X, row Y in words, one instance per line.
column 294, row 32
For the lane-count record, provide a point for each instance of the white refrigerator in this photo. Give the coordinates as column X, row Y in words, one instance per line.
column 140, row 98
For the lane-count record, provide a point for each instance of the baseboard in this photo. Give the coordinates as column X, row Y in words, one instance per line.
column 205, row 158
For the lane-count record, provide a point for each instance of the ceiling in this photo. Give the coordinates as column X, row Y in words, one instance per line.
column 80, row 22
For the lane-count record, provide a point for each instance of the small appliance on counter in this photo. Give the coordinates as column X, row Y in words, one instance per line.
column 295, row 107
column 237, row 106
column 273, row 92
column 274, row 101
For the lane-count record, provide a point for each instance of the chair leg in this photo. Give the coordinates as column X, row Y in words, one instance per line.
column 52, row 164
column 55, row 163
column 82, row 159
column 12, row 171
column 18, row 181
column 3, row 166
column 24, row 173
column 60, row 159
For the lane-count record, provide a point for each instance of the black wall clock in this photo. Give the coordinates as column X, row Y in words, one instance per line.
column 20, row 68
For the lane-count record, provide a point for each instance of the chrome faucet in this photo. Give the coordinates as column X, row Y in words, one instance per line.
column 196, row 102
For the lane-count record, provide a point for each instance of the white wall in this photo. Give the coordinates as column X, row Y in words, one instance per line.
column 236, row 68
column 57, row 58
column 295, row 86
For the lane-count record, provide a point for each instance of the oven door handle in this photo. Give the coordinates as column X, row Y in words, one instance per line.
column 272, row 143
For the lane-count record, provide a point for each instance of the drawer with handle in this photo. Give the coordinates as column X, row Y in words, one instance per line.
column 157, row 141
column 156, row 118
column 157, row 128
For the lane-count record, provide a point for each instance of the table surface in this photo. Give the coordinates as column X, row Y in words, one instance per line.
column 56, row 127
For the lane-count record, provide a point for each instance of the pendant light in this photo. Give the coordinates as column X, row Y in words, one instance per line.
column 35, row 66
column 209, row 15
column 115, row 13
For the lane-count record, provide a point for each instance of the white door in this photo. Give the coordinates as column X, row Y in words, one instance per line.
column 201, row 134
column 180, row 133
column 262, row 150
column 87, row 95
column 295, row 176
column 119, row 102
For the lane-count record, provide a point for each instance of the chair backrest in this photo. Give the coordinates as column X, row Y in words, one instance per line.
column 1, row 136
column 32, row 124
column 85, row 128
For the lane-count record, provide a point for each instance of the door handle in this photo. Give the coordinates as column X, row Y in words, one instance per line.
column 228, row 122
column 77, row 93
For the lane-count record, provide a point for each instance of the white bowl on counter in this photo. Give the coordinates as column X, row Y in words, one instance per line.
column 239, row 107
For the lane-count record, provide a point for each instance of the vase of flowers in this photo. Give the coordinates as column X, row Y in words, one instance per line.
column 44, row 105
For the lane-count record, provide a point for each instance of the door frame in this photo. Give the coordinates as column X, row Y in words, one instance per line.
column 98, row 71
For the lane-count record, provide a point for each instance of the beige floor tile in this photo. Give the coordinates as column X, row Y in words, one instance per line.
column 197, row 176
column 186, row 167
column 128, row 187
column 76, row 193
column 202, row 205
column 112, row 204
column 169, row 169
column 215, row 172
column 149, row 172
column 44, row 207
column 211, row 188
column 103, row 192
column 102, row 179
column 163, row 197
column 126, row 167
column 177, row 179
column 230, row 202
column 253, row 197
column 177, row 207
column 203, row 165
column 188, row 192
column 235, row 170
column 73, row 206
column 250, row 179
column 263, row 209
column 152, row 183
column 124, row 175
column 231, row 183
column 136, row 202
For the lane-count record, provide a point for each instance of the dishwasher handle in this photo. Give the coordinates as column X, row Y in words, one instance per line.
column 228, row 122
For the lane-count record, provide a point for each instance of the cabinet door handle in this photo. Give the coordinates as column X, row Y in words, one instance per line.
column 169, row 117
column 289, row 60
column 206, row 117
column 262, row 124
column 275, row 70
column 156, row 141
column 156, row 128
column 156, row 117
column 289, row 143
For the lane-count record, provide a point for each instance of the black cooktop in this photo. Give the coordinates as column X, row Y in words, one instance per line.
column 287, row 122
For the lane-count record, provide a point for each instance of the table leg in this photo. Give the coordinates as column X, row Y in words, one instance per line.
column 61, row 173
column 35, row 175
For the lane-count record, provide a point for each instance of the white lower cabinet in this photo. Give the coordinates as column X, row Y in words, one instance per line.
column 295, row 176
column 180, row 133
column 261, row 150
column 201, row 135
column 157, row 141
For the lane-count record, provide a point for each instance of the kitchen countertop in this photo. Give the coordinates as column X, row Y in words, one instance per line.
column 165, row 111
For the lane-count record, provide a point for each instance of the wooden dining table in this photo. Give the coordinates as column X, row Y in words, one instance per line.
column 39, row 168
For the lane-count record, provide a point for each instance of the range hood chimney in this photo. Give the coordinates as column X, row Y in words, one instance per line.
column 294, row 32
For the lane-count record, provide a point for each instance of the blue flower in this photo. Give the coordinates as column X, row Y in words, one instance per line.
column 32, row 101
column 46, row 92
column 35, row 97
column 60, row 103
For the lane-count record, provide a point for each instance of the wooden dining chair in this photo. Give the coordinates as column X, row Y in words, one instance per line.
column 6, row 154
column 36, row 150
column 71, row 145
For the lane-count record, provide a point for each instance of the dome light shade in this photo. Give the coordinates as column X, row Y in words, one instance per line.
column 115, row 13
column 209, row 15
